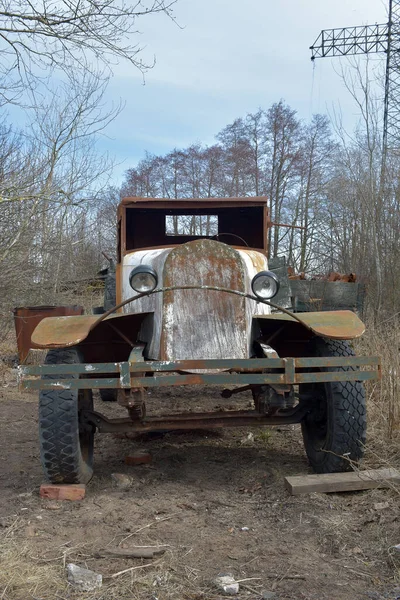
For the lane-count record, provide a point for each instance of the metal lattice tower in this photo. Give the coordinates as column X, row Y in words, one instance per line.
column 364, row 40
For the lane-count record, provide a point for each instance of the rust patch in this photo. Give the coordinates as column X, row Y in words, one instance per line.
column 256, row 258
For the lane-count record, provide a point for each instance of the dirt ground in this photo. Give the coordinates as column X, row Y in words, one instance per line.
column 216, row 500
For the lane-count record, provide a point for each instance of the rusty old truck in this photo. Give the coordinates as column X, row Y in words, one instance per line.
column 195, row 306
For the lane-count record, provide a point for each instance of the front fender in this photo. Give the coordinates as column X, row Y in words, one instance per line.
column 61, row 332
column 334, row 324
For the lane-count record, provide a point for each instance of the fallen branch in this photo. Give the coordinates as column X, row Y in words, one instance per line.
column 137, row 552
column 130, row 569
column 280, row 577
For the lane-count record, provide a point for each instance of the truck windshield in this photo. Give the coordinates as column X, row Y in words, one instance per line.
column 198, row 225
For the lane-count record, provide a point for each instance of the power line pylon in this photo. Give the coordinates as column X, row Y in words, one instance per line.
column 365, row 40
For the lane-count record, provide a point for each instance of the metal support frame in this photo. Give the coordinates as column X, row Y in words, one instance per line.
column 188, row 421
column 130, row 378
column 350, row 40
column 131, row 374
column 132, row 396
column 364, row 40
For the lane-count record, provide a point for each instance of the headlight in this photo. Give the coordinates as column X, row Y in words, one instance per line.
column 143, row 279
column 265, row 285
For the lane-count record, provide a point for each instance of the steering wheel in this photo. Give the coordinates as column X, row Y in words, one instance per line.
column 217, row 236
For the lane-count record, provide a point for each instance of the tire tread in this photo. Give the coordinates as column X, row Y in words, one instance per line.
column 60, row 449
column 349, row 416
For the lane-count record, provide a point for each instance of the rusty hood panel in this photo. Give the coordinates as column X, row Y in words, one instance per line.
column 336, row 325
column 61, row 332
column 203, row 324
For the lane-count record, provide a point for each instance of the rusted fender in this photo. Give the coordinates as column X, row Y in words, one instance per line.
column 27, row 318
column 61, row 332
column 333, row 324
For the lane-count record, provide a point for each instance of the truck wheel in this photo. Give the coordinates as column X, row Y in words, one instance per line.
column 108, row 394
column 66, row 450
column 334, row 432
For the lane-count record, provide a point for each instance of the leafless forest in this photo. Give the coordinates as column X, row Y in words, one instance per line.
column 58, row 209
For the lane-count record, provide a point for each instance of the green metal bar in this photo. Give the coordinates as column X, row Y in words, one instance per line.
column 323, row 376
column 290, row 370
column 125, row 379
column 69, row 384
column 74, row 369
column 190, row 379
column 250, row 364
column 199, row 379
column 337, row 361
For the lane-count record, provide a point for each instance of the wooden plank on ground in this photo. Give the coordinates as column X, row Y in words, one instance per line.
column 342, row 482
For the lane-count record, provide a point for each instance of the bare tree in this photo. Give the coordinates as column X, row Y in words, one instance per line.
column 51, row 189
column 317, row 151
column 255, row 126
column 38, row 37
column 234, row 141
column 366, row 199
column 284, row 131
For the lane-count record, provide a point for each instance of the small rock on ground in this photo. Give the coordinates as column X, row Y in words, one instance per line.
column 269, row 596
column 83, row 579
column 381, row 505
column 227, row 584
column 121, row 480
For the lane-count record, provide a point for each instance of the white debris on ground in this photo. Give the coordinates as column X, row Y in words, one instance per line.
column 83, row 579
column 227, row 584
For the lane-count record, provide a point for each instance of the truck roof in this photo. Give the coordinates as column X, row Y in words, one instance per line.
column 133, row 201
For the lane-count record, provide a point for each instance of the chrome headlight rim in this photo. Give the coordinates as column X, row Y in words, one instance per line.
column 143, row 270
column 272, row 276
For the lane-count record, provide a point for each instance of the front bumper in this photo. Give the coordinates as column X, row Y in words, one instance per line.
column 135, row 372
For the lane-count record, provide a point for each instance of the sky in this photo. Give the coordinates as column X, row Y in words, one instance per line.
column 226, row 58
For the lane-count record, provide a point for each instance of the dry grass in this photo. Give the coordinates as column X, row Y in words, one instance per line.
column 21, row 575
column 383, row 397
column 26, row 573
column 8, row 358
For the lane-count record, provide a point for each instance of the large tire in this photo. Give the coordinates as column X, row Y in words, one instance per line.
column 334, row 432
column 66, row 451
